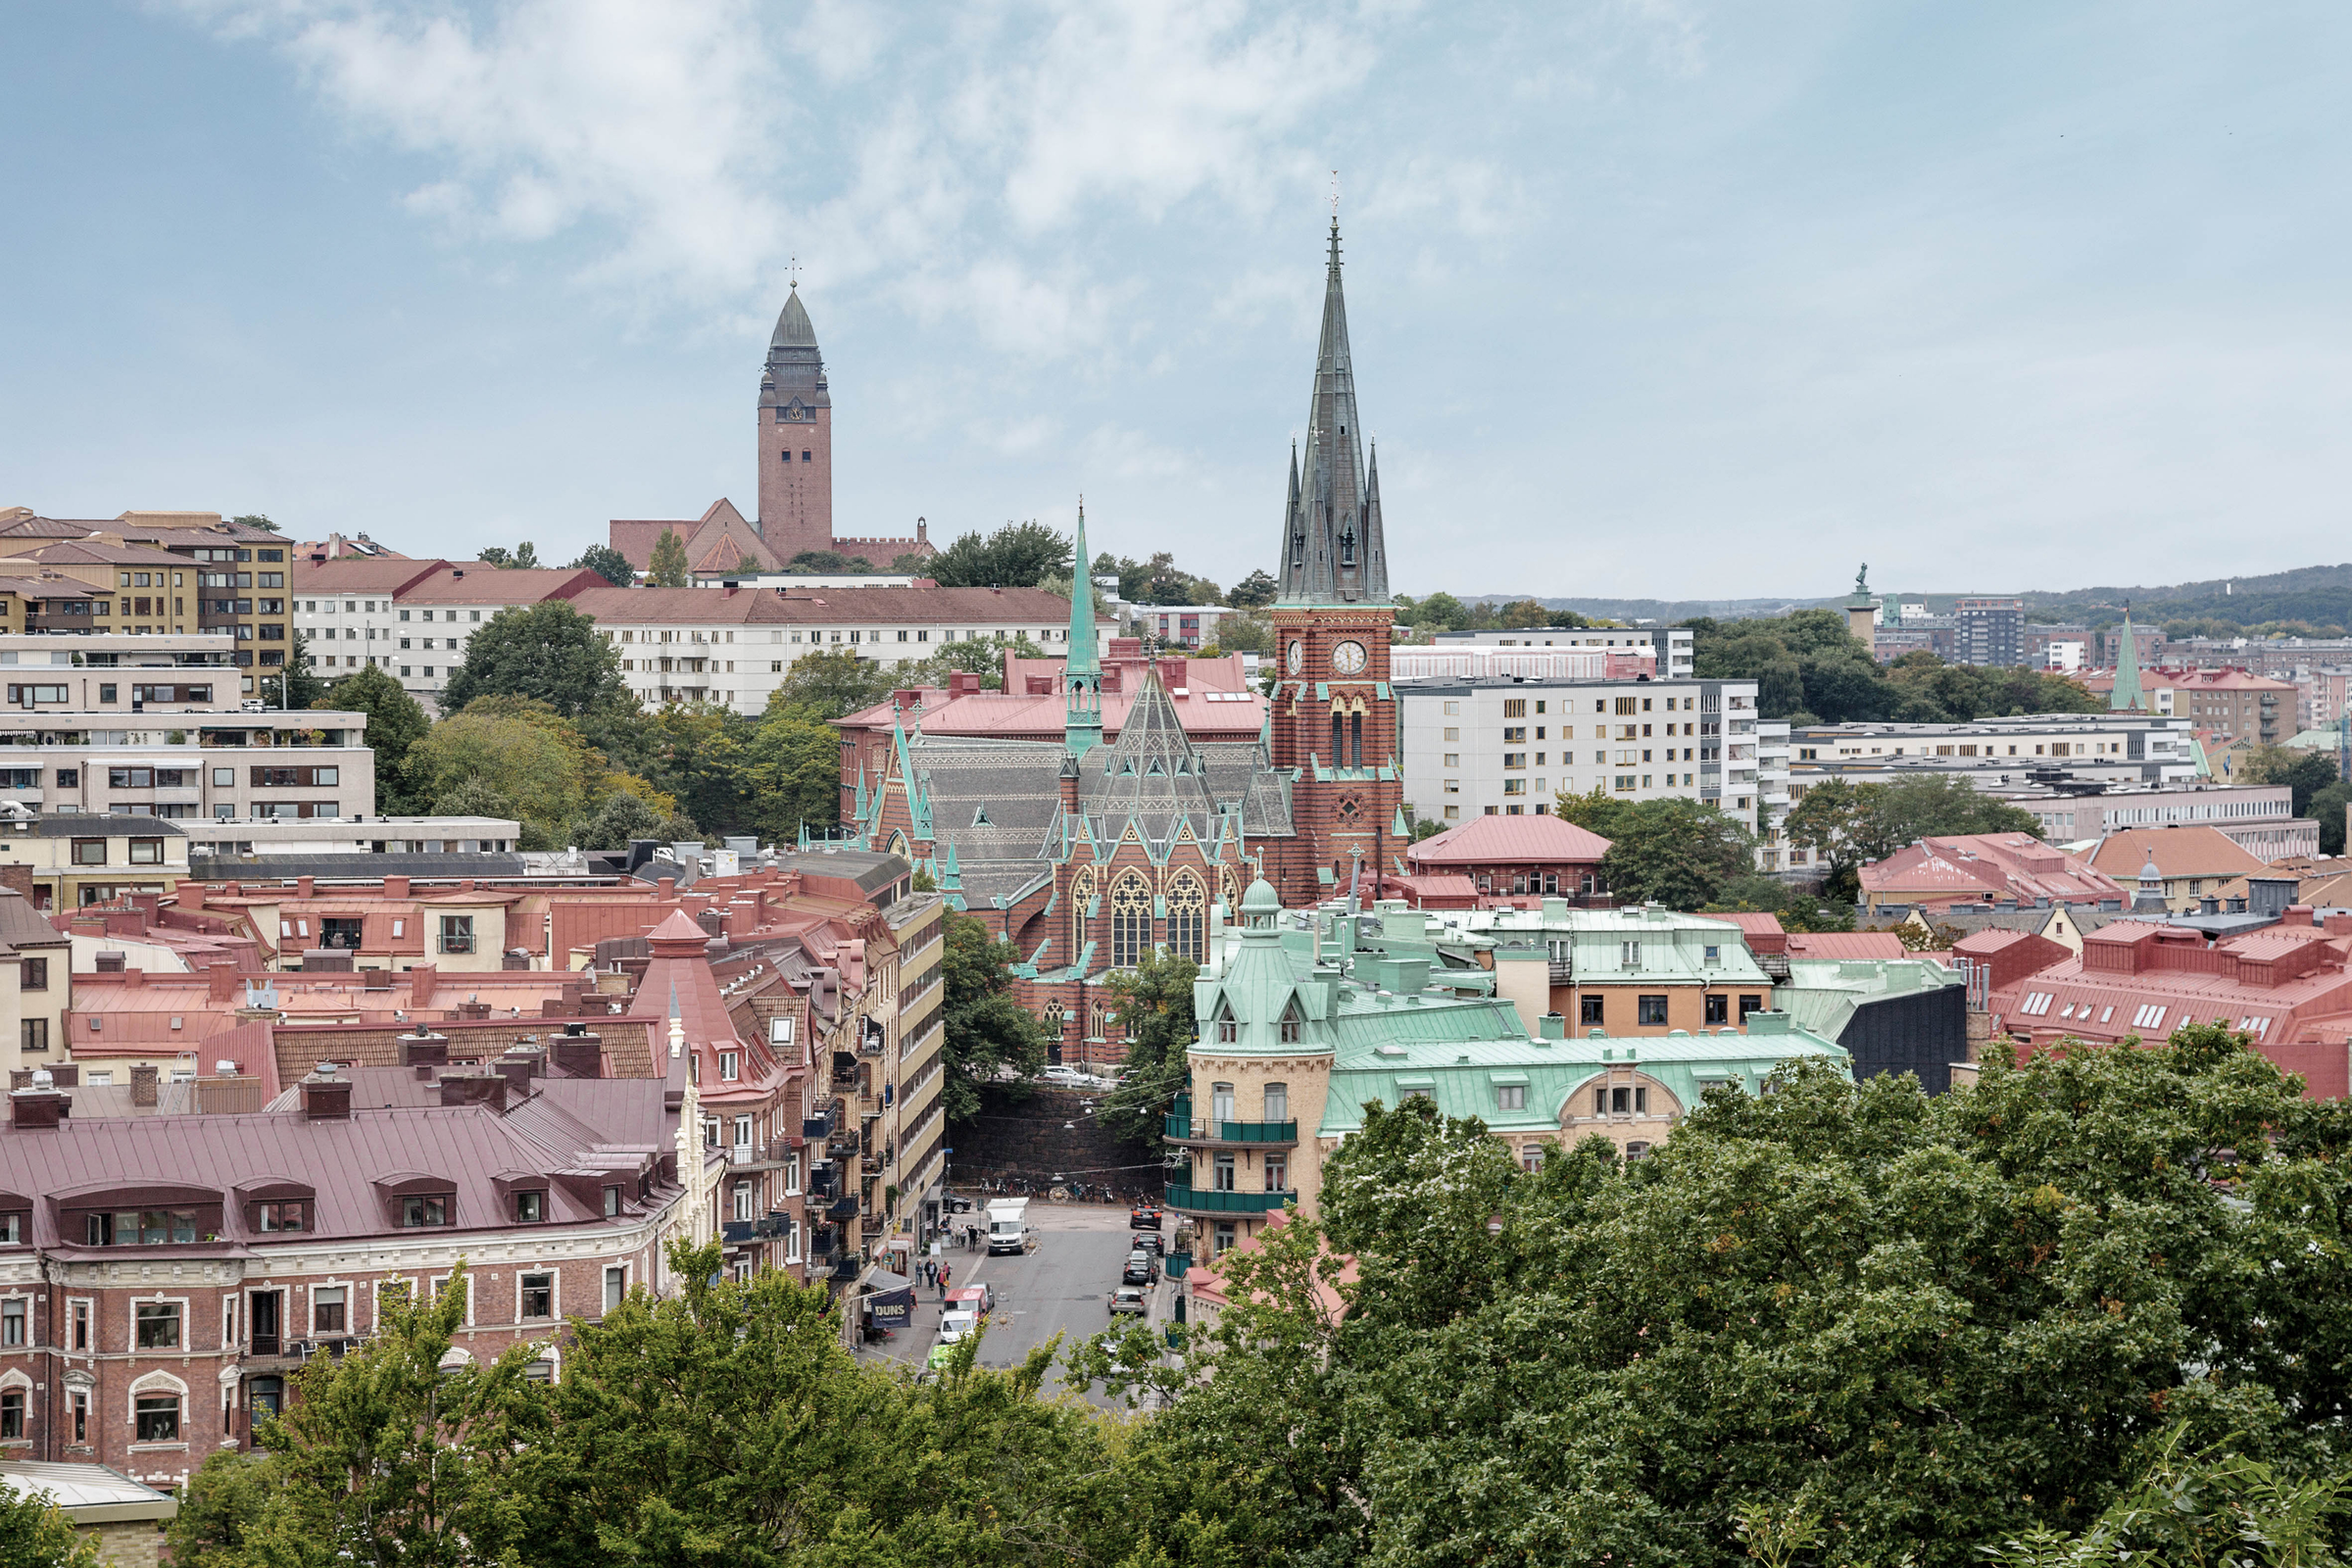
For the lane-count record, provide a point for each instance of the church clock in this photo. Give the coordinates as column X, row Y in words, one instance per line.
column 1297, row 654
column 1348, row 658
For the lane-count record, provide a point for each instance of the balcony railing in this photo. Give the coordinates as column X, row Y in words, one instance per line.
column 820, row 1123
column 1199, row 1130
column 1202, row 1200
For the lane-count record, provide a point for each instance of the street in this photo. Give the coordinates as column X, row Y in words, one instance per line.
column 1063, row 1286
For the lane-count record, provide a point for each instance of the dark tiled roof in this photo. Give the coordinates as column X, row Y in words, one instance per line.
column 253, row 868
column 104, row 825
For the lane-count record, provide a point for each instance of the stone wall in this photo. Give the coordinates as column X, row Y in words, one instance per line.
column 1046, row 1131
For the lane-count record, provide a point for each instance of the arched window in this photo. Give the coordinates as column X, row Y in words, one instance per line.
column 1188, row 917
column 1356, row 739
column 1293, row 1023
column 1130, row 920
column 1082, row 889
column 1338, row 759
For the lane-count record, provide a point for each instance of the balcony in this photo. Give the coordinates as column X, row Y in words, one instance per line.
column 757, row 1156
column 1183, row 1129
column 1201, row 1200
column 844, row 1206
column 822, row 1123
column 846, row 1268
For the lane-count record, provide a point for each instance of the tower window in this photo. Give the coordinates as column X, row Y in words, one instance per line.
column 787, row 453
column 804, row 456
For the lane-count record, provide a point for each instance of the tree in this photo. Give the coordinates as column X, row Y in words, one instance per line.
column 2304, row 772
column 1154, row 1006
column 1019, row 555
column 988, row 1031
column 515, row 752
column 303, row 687
column 1919, row 1325
column 396, row 723
column 609, row 564
column 667, row 567
column 548, row 652
column 254, row 519
column 1849, row 825
column 35, row 1532
column 1245, row 633
column 828, row 682
column 1254, row 591
column 627, row 815
column 792, row 773
column 1676, row 851
column 983, row 657
column 2330, row 806
column 913, row 564
column 828, row 563
column 524, row 556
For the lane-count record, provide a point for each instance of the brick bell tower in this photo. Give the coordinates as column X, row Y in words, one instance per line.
column 1335, row 713
column 796, row 438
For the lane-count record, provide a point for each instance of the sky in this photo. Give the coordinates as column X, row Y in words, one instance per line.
column 1648, row 298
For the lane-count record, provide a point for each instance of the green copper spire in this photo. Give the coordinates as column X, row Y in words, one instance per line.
column 1082, row 668
column 2127, row 694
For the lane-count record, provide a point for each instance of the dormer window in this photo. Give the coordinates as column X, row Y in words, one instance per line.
column 287, row 1215
column 530, row 1208
column 730, row 1065
column 1292, row 1022
column 427, row 1209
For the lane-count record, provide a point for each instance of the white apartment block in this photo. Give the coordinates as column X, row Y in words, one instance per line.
column 732, row 647
column 2154, row 749
column 1672, row 645
column 1489, row 746
column 123, row 724
column 412, row 619
column 279, row 838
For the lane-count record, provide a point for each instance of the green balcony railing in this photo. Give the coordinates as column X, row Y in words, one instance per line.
column 1202, row 1200
column 1199, row 1130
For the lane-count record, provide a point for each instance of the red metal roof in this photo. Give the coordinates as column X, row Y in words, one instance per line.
column 1508, row 839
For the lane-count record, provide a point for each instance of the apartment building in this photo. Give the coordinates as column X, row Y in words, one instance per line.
column 412, row 619
column 155, row 727
column 2257, row 817
column 77, row 860
column 1671, row 645
column 36, row 984
column 2149, row 746
column 1988, row 631
column 286, row 839
column 2234, row 703
column 732, row 646
column 1485, row 746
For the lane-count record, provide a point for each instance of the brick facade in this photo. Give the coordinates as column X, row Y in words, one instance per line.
column 1334, row 697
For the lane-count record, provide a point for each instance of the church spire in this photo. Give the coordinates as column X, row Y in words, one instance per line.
column 1332, row 550
column 2127, row 695
column 1082, row 666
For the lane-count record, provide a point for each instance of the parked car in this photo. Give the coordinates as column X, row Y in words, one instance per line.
column 1153, row 1243
column 1068, row 1077
column 1142, row 1269
column 1128, row 1298
column 1142, row 1217
column 954, row 1327
column 973, row 1299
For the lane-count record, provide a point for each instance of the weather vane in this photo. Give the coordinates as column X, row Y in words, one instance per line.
column 796, row 272
column 1335, row 195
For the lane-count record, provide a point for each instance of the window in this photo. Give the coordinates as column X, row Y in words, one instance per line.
column 89, row 852
column 158, row 1417
column 32, row 1034
column 158, row 1325
column 268, row 1395
column 1223, row 1175
column 81, row 1325
column 1229, row 1031
column 1292, row 1022
column 743, row 1199
column 730, row 1065
column 1278, row 1103
column 146, row 851
column 1278, row 1173
column 81, row 1416
column 538, row 1295
column 1621, row 1100
column 12, row 1229
column 1629, row 955
column 1130, row 920
column 1510, row 1097
column 530, row 1208
column 426, row 1208
column 12, row 1414
column 12, row 1320
column 327, row 1303
column 457, row 933
column 1719, row 1010
column 1187, row 905
column 1590, row 1009
column 1514, row 708
column 1531, row 1156
column 612, row 1202
column 290, row 1216
column 1749, row 1004
column 1650, row 1012
column 1220, row 1102
column 616, row 1286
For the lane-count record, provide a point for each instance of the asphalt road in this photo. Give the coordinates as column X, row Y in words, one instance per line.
column 1062, row 1286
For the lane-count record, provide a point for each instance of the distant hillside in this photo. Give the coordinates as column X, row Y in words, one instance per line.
column 2317, row 596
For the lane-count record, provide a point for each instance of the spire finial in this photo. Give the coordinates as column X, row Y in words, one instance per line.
column 794, row 271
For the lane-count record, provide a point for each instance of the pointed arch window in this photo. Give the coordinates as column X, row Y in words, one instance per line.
column 1082, row 892
column 1339, row 757
column 1188, row 917
column 1347, row 548
column 1294, row 1022
column 1356, row 739
column 1227, row 1028
column 1130, row 920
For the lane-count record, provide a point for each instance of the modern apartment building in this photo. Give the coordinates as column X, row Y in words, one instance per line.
column 2145, row 746
column 155, row 727
column 1672, row 645
column 1484, row 745
column 2257, row 817
column 412, row 619
column 1988, row 631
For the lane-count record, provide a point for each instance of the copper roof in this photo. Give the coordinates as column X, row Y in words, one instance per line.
column 1501, row 840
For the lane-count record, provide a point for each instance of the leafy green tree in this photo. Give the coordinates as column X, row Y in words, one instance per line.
column 1247, row 633
column 1849, row 825
column 830, row 682
column 792, row 772
column 548, row 652
column 1256, row 590
column 667, row 567
column 2304, row 773
column 1676, row 851
column 2330, row 806
column 987, row 1029
column 396, row 723
column 35, row 1532
column 609, row 564
column 913, row 564
column 302, row 687
column 520, row 754
column 624, row 816
column 828, row 563
column 254, row 519
column 1154, row 1006
column 524, row 556
column 1018, row 555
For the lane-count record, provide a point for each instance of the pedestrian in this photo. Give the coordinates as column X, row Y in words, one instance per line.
column 944, row 1273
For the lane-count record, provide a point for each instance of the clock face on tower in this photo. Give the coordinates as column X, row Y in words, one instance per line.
column 1348, row 658
column 1297, row 654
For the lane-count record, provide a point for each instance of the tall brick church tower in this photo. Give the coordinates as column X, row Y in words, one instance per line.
column 795, row 439
column 1335, row 713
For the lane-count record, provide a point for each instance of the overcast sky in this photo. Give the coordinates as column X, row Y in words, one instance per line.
column 1647, row 298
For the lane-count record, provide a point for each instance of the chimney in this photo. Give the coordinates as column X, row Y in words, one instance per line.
column 474, row 1089
column 326, row 1097
column 143, row 1076
column 220, row 982
column 519, row 1066
column 396, row 887
column 423, row 1049
column 421, row 982
column 38, row 1105
column 302, row 887
column 578, row 1056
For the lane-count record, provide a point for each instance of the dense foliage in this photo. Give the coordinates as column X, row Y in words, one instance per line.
column 989, row 1036
column 35, row 1533
column 396, row 723
column 667, row 567
column 1019, row 555
column 1676, row 851
column 607, row 563
column 1808, row 667
column 1443, row 612
column 549, row 653
column 1154, row 1001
